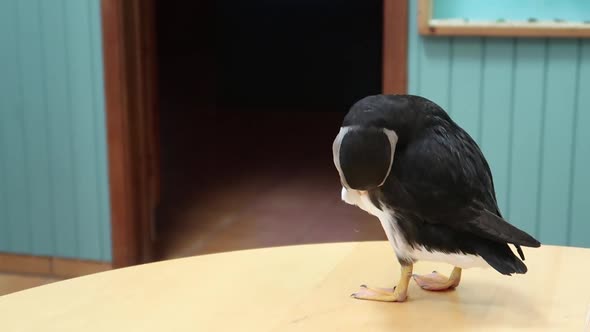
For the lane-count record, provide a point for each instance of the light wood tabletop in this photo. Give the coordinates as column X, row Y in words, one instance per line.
column 307, row 288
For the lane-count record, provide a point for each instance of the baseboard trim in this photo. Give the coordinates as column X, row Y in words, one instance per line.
column 50, row 266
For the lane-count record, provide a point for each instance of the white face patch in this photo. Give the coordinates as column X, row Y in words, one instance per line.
column 391, row 135
column 336, row 152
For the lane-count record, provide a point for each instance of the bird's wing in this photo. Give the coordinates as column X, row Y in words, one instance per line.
column 443, row 178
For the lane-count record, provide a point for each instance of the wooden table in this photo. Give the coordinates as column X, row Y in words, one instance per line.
column 306, row 288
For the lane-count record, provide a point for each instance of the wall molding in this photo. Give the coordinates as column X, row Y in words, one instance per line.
column 50, row 266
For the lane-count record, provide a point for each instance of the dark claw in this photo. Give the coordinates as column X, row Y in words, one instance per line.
column 363, row 286
column 434, row 272
column 353, row 295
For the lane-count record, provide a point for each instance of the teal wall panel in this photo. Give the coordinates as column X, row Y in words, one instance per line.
column 60, row 128
column 526, row 103
column 527, row 123
column 466, row 66
column 36, row 165
column 580, row 182
column 495, row 111
column 84, row 148
column 435, row 68
column 560, row 102
column 17, row 224
column 53, row 166
column 100, row 132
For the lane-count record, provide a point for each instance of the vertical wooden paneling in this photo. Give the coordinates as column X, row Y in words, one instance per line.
column 526, row 102
column 7, row 103
column 100, row 128
column 84, row 145
column 560, row 101
column 414, row 49
column 55, row 49
column 53, row 181
column 527, row 132
column 15, row 190
column 496, row 112
column 466, row 75
column 34, row 101
column 435, row 67
column 3, row 218
column 580, row 199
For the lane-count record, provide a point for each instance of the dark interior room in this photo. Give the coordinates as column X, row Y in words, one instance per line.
column 251, row 95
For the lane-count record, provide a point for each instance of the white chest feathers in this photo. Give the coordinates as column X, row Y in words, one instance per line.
column 395, row 237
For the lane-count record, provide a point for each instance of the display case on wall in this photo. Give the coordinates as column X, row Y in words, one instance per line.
column 505, row 18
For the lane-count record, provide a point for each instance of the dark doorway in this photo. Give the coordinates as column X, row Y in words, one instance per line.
column 251, row 95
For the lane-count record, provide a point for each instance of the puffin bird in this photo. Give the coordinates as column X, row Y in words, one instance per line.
column 402, row 159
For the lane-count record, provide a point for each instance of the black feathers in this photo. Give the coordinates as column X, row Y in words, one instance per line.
column 490, row 226
column 500, row 257
column 440, row 185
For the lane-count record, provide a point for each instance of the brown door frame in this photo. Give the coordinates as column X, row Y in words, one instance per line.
column 131, row 114
column 395, row 46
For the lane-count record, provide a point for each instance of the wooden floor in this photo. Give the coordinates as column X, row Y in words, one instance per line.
column 266, row 208
column 254, row 180
column 10, row 283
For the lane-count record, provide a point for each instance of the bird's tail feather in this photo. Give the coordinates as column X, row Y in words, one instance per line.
column 501, row 258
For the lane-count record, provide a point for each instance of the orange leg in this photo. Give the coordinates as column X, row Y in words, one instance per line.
column 438, row 282
column 397, row 294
